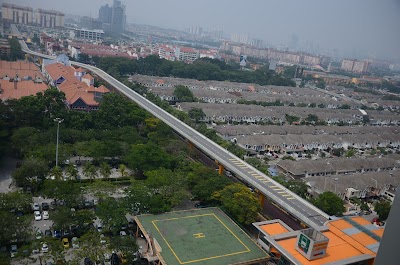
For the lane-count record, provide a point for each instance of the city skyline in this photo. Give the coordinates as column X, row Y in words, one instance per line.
column 353, row 29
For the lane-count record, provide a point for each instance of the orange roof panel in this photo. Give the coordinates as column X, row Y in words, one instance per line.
column 364, row 239
column 338, row 249
column 379, row 232
column 274, row 229
column 361, row 220
column 24, row 88
column 341, row 224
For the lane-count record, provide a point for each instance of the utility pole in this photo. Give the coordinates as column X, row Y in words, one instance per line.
column 58, row 120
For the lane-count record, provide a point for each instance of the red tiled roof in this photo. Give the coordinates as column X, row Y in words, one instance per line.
column 72, row 87
column 21, row 68
column 88, row 76
column 187, row 49
column 24, row 88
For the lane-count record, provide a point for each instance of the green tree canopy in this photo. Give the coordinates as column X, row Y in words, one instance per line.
column 196, row 114
column 112, row 213
column 382, row 208
column 330, row 203
column 170, row 185
column 239, row 201
column 183, row 94
column 31, row 173
column 145, row 157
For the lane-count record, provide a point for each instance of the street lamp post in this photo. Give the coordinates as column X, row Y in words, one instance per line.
column 58, row 120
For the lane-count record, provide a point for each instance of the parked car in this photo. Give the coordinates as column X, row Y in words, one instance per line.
column 87, row 261
column 65, row 242
column 57, row 233
column 45, row 248
column 115, row 259
column 122, row 233
column 36, row 206
column 45, row 206
column 13, row 251
column 103, row 239
column 37, row 215
column 45, row 215
column 38, row 234
column 75, row 242
column 47, row 233
column 53, row 205
column 107, row 259
column 99, row 228
column 66, row 232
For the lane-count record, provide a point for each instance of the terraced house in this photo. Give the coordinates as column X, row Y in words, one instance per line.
column 77, row 84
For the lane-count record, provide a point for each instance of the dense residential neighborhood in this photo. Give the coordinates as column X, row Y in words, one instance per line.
column 126, row 143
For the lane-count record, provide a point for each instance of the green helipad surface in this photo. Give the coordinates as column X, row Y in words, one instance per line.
column 200, row 236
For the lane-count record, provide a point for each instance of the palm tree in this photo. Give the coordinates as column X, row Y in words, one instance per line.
column 89, row 170
column 57, row 173
column 105, row 170
column 71, row 172
column 122, row 170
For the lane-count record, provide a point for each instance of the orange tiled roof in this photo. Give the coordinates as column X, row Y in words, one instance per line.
column 274, row 229
column 24, row 88
column 72, row 87
column 88, row 76
column 21, row 68
column 102, row 89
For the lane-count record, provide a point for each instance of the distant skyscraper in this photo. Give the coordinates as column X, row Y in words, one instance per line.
column 118, row 20
column 105, row 14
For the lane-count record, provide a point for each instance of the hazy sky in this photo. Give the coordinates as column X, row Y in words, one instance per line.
column 355, row 26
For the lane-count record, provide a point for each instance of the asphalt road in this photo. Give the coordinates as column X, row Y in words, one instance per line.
column 289, row 201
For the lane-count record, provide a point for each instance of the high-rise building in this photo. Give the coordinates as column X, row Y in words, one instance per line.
column 240, row 38
column 49, row 19
column 257, row 43
column 105, row 14
column 355, row 66
column 196, row 30
column 17, row 14
column 118, row 19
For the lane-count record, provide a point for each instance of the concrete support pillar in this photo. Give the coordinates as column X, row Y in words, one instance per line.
column 261, row 198
column 220, row 169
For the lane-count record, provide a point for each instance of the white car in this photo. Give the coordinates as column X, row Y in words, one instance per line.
column 75, row 242
column 38, row 216
column 45, row 215
column 45, row 248
column 107, row 259
column 14, row 251
column 103, row 239
column 36, row 206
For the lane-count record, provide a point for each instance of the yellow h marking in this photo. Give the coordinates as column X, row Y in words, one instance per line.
column 199, row 235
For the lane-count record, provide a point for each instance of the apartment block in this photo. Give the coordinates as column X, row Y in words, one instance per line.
column 17, row 14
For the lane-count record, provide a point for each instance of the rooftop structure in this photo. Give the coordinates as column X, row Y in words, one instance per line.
column 341, row 242
column 77, row 85
column 25, row 70
column 337, row 166
column 201, row 236
column 88, row 34
column 18, row 89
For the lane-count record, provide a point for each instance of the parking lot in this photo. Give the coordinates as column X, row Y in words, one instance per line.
column 42, row 224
